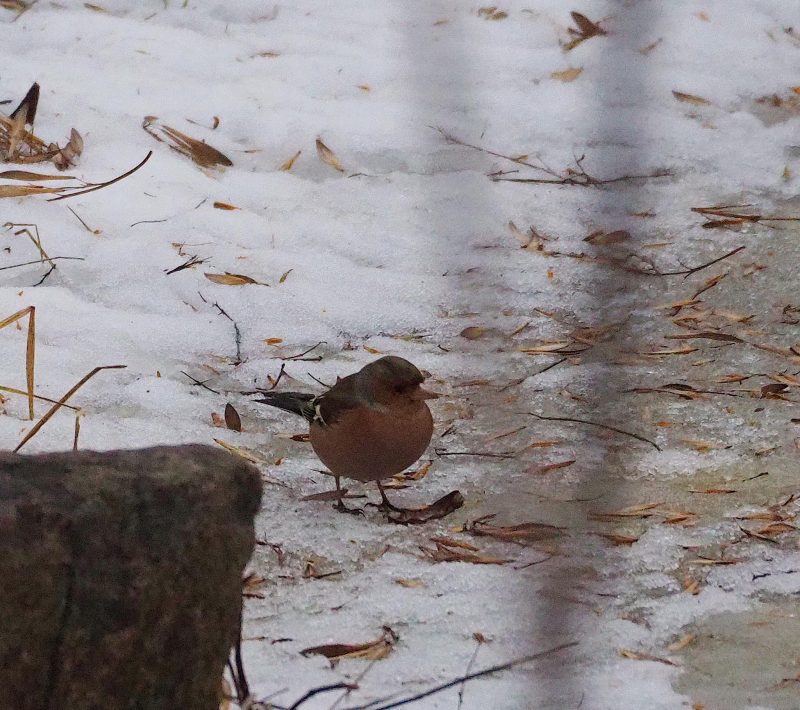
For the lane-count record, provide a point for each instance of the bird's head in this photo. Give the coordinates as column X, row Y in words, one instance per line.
column 392, row 376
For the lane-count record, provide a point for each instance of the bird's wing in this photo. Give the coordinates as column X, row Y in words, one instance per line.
column 301, row 403
column 344, row 396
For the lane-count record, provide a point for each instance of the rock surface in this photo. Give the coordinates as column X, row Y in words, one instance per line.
column 120, row 576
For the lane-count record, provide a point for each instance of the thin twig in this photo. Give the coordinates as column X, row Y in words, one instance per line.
column 101, row 185
column 471, row 676
column 689, row 272
column 322, row 689
column 597, row 424
column 198, row 383
column 39, row 261
column 299, row 356
column 487, row 454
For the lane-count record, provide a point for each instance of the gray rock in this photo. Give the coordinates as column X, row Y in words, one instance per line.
column 120, row 576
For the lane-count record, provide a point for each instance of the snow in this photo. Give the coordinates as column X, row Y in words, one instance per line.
column 412, row 241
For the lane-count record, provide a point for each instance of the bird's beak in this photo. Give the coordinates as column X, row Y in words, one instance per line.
column 421, row 393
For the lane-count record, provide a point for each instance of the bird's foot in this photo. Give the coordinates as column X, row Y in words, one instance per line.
column 340, row 507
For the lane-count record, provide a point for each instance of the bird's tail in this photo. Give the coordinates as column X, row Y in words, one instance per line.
column 294, row 402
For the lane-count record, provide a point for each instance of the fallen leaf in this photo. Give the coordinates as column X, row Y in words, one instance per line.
column 273, row 341
column 436, row 510
column 326, row 495
column 639, row 656
column 713, row 491
column 619, row 539
column 522, row 532
column 410, row 583
column 606, row 238
column 681, row 643
column 228, row 279
column 32, row 177
column 691, row 99
column 287, row 165
column 452, row 542
column 201, row 153
column 546, row 468
column 232, row 419
column 375, row 650
column 642, row 510
column 327, row 156
column 225, row 206
column 567, row 75
column 473, row 332
column 442, row 553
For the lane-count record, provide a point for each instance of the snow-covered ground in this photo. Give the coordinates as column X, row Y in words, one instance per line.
column 402, row 251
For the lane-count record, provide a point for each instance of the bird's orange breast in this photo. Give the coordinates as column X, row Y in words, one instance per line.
column 369, row 444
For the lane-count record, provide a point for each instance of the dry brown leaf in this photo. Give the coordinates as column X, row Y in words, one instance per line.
column 691, row 99
column 232, row 419
column 473, row 332
column 713, row 491
column 26, row 190
column 201, row 153
column 410, row 583
column 681, row 643
column 619, row 539
column 375, row 650
column 327, row 156
column 522, row 532
column 606, row 238
column 548, row 467
column 228, row 279
column 326, row 495
column 707, row 335
column 442, row 553
column 702, row 446
column 452, row 542
column 417, row 475
column 642, row 510
column 685, row 350
column 567, row 75
column 273, row 341
column 32, row 177
column 289, row 164
column 225, row 206
column 492, row 13
column 547, row 347
column 436, row 510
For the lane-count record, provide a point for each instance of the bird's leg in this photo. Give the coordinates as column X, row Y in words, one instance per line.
column 340, row 506
column 386, row 504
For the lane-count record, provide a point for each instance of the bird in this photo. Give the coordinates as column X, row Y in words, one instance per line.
column 368, row 426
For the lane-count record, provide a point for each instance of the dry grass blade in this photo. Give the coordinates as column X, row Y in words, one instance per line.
column 30, row 350
column 201, row 153
column 61, row 402
column 32, row 177
column 26, row 190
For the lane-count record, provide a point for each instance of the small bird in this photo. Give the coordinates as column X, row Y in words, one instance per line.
column 370, row 425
